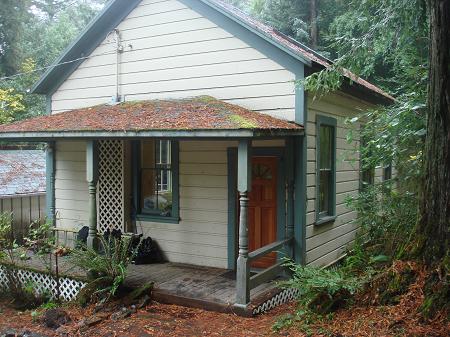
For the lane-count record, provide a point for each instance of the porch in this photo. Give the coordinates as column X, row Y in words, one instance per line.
column 203, row 219
column 182, row 284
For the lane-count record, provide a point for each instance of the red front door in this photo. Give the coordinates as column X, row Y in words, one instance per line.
column 262, row 210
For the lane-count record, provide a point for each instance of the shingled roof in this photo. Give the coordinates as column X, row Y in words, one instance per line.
column 22, row 172
column 186, row 115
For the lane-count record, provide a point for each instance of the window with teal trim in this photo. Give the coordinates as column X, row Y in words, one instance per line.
column 325, row 169
column 156, row 180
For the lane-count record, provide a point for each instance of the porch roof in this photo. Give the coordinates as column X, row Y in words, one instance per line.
column 202, row 116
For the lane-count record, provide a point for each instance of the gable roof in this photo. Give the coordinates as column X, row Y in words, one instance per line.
column 22, row 172
column 143, row 118
column 116, row 10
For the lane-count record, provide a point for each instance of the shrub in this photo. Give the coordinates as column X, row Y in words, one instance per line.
column 321, row 290
column 107, row 267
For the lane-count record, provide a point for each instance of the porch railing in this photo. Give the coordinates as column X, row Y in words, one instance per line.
column 271, row 272
column 245, row 283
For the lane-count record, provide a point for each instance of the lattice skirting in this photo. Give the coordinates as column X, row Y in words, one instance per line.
column 44, row 283
column 111, row 198
column 282, row 297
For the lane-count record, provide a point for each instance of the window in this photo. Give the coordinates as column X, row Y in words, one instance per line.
column 367, row 170
column 326, row 169
column 156, row 188
column 387, row 172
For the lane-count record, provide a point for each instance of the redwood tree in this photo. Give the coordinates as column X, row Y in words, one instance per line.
column 434, row 222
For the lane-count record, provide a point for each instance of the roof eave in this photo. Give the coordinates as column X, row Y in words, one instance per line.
column 40, row 136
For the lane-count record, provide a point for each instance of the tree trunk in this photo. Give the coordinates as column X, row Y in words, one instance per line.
column 434, row 221
column 313, row 21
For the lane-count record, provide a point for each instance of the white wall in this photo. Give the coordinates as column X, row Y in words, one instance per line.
column 71, row 188
column 177, row 53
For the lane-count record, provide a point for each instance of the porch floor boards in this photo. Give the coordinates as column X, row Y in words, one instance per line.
column 182, row 284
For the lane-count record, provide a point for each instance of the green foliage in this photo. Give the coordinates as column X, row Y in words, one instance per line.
column 321, row 290
column 32, row 35
column 109, row 263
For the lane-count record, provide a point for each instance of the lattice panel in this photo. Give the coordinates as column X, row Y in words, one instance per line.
column 111, row 186
column 44, row 283
column 282, row 297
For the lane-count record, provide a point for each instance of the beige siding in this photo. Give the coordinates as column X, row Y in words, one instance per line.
column 326, row 243
column 173, row 52
column 71, row 189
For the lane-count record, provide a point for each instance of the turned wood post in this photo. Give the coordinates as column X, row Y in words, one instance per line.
column 244, row 186
column 92, row 178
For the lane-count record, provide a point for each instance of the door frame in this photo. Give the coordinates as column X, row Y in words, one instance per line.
column 232, row 228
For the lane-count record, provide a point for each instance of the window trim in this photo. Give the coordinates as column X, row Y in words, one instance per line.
column 137, row 215
column 331, row 216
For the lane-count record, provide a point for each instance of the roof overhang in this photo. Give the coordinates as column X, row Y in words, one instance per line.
column 169, row 134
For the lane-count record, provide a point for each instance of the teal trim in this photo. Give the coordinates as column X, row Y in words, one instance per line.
column 232, row 156
column 300, row 109
column 175, row 180
column 50, row 182
column 92, row 161
column 48, row 104
column 244, row 174
column 157, row 218
column 300, row 199
column 300, row 178
column 163, row 134
column 135, row 164
column 136, row 214
column 232, row 23
column 232, row 208
column 330, row 122
column 290, row 184
column 89, row 39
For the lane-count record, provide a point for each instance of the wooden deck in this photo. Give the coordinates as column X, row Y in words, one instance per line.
column 194, row 286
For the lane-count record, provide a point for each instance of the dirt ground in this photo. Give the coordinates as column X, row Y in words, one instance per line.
column 157, row 319
column 170, row 320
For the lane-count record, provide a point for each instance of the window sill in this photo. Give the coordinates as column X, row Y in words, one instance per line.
column 156, row 218
column 325, row 220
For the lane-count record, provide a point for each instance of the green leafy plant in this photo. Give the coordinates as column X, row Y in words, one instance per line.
column 107, row 267
column 321, row 290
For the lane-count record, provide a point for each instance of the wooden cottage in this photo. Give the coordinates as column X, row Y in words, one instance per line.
column 182, row 120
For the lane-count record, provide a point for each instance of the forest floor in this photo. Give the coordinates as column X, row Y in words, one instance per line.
column 155, row 319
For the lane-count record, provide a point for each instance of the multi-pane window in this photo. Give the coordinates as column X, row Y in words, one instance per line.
column 326, row 167
column 156, row 176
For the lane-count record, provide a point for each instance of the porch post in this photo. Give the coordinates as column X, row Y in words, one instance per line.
column 92, row 178
column 244, row 186
column 50, row 182
column 290, row 193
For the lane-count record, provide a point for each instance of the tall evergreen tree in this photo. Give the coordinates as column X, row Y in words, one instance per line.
column 434, row 225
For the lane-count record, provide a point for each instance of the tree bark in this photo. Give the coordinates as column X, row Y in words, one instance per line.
column 314, row 31
column 434, row 221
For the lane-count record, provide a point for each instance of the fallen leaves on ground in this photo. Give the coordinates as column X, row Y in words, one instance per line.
column 158, row 319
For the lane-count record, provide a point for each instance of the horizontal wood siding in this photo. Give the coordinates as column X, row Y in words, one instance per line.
column 71, row 189
column 327, row 242
column 201, row 236
column 173, row 52
column 24, row 209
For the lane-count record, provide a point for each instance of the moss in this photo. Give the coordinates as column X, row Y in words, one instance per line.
column 204, row 99
column 87, row 294
column 437, row 292
column 242, row 122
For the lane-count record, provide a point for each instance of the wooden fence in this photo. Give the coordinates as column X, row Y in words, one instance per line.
column 25, row 209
